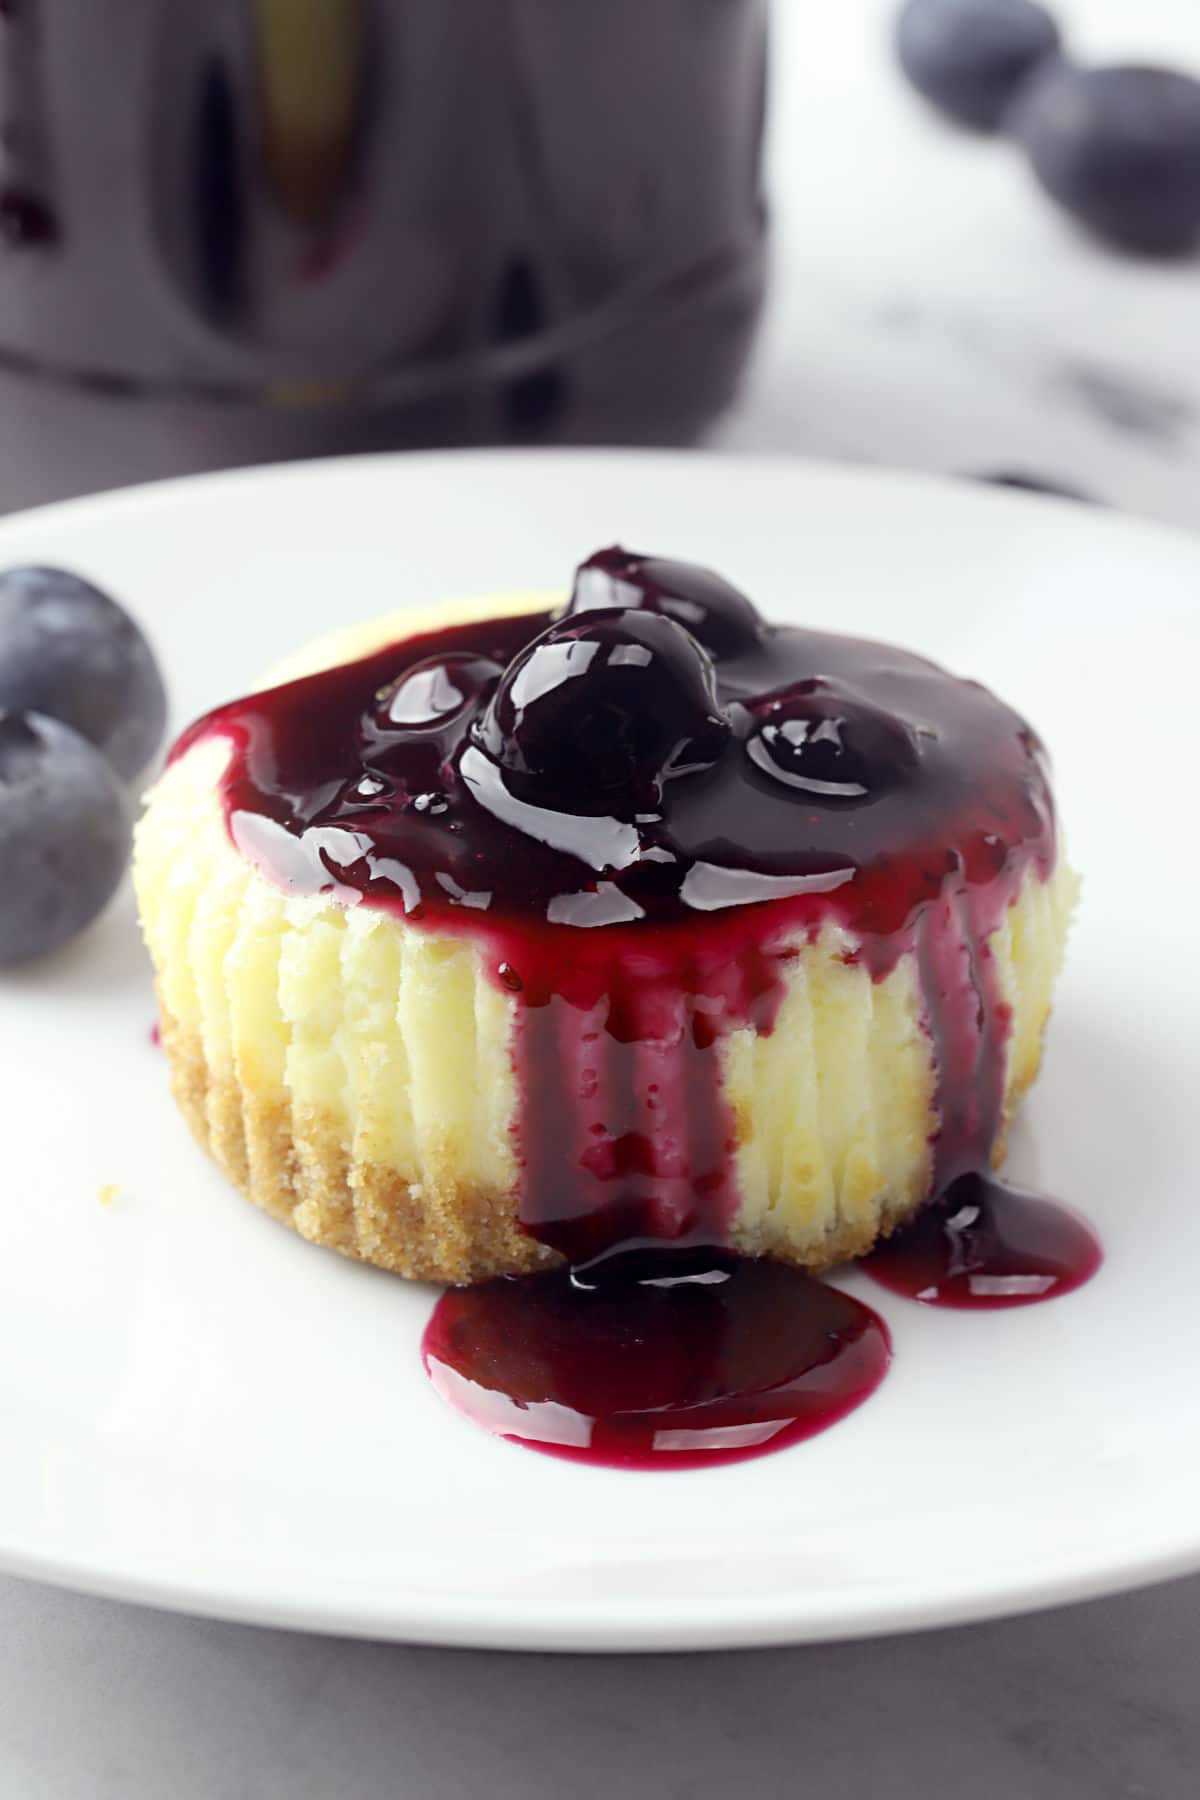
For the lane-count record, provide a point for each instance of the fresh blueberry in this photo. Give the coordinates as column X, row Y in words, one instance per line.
column 64, row 834
column 970, row 58
column 602, row 707
column 1119, row 148
column 715, row 613
column 827, row 745
column 69, row 651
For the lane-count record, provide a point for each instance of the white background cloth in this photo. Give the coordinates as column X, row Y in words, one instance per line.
column 928, row 308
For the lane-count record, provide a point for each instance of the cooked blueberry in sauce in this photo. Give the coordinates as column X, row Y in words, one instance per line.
column 716, row 614
column 829, row 745
column 609, row 706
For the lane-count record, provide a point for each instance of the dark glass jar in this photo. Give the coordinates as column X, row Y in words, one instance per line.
column 237, row 228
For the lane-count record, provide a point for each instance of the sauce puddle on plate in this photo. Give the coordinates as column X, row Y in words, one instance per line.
column 671, row 1359
column 676, row 1368
column 985, row 1244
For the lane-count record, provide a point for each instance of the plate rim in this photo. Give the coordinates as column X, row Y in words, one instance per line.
column 456, row 1623
column 169, row 489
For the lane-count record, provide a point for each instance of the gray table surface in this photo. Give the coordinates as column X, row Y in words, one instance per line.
column 100, row 1701
column 929, row 312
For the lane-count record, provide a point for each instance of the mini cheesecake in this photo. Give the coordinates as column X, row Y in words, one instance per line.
column 509, row 931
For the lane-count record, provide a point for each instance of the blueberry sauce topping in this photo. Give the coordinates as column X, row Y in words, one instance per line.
column 811, row 740
column 986, row 1244
column 703, row 1361
column 640, row 810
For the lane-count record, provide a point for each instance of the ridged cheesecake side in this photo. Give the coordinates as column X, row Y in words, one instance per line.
column 352, row 1073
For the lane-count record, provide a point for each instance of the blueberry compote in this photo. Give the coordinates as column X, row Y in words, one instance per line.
column 640, row 809
column 675, row 1361
column 985, row 1244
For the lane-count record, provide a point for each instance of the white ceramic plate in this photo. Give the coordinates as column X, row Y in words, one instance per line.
column 202, row 1411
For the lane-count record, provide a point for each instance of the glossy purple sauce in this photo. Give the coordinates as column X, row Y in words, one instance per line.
column 640, row 884
column 681, row 1371
column 985, row 1244
column 634, row 944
